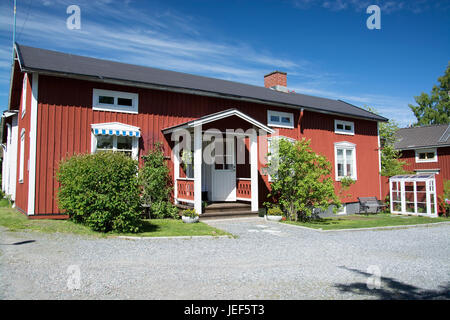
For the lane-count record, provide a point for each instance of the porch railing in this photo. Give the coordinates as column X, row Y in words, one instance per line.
column 185, row 189
column 243, row 189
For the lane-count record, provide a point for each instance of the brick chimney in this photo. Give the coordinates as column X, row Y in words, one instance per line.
column 274, row 79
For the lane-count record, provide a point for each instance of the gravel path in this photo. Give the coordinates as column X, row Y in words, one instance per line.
column 266, row 261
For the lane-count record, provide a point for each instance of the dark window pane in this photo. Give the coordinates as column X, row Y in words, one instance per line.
column 286, row 120
column 106, row 100
column 275, row 118
column 340, row 126
column 124, row 143
column 430, row 155
column 125, row 102
column 422, row 156
column 348, row 128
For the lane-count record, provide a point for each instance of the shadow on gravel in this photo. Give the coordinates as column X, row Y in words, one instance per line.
column 17, row 243
column 392, row 289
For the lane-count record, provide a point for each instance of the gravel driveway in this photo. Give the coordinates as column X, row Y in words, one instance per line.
column 266, row 261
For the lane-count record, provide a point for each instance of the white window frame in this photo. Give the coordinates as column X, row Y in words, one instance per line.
column 24, row 94
column 344, row 123
column 116, row 95
column 22, row 156
column 116, row 126
column 279, row 123
column 269, row 145
column 342, row 210
column 418, row 151
column 345, row 146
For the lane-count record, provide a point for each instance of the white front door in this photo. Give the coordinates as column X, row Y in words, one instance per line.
column 224, row 174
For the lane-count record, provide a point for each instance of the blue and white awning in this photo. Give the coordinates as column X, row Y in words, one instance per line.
column 115, row 129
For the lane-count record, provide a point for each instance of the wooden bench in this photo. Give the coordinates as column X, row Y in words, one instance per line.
column 370, row 205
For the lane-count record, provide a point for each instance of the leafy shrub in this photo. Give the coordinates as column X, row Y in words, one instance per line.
column 191, row 213
column 101, row 191
column 274, row 211
column 156, row 184
column 445, row 206
column 163, row 210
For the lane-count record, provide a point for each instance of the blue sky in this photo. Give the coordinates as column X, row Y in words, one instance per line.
column 323, row 45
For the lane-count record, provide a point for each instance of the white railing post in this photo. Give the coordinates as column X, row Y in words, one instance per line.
column 254, row 170
column 198, row 168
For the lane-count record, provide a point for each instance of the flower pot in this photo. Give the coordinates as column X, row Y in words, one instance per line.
column 189, row 219
column 274, row 218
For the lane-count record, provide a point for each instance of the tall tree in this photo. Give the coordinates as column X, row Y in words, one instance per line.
column 390, row 163
column 434, row 108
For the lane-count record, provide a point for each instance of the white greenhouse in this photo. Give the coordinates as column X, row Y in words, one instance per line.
column 413, row 194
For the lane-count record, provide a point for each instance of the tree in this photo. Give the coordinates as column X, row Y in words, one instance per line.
column 302, row 179
column 434, row 108
column 390, row 163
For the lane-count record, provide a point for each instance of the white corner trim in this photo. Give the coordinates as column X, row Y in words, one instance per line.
column 33, row 144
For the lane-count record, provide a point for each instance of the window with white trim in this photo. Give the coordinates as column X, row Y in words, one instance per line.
column 344, row 127
column 280, row 119
column 345, row 160
column 426, row 155
column 22, row 156
column 116, row 101
column 115, row 137
column 24, row 94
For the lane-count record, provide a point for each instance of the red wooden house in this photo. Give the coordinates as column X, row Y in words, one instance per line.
column 426, row 150
column 68, row 104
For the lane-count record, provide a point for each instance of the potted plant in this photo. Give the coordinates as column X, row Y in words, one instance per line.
column 274, row 214
column 190, row 216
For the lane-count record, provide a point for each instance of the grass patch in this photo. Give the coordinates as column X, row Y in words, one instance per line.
column 174, row 228
column 16, row 221
column 362, row 221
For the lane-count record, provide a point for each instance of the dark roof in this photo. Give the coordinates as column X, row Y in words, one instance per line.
column 426, row 136
column 35, row 59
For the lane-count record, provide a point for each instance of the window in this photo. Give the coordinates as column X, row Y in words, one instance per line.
column 426, row 155
column 22, row 155
column 344, row 127
column 24, row 94
column 345, row 160
column 116, row 137
column 280, row 119
column 116, row 101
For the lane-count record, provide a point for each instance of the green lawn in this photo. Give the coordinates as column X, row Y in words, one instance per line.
column 15, row 221
column 366, row 221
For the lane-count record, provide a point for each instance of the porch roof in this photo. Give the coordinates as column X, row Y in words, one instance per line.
column 217, row 116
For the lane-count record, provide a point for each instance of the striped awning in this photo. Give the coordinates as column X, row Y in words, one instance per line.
column 115, row 129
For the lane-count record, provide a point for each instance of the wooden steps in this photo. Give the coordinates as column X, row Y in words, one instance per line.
column 224, row 210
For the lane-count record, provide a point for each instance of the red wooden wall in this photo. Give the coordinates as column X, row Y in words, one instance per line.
column 65, row 114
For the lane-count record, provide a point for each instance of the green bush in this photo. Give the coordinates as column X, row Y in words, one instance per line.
column 101, row 191
column 156, row 184
column 163, row 210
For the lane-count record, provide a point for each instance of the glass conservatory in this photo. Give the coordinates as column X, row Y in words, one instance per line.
column 413, row 194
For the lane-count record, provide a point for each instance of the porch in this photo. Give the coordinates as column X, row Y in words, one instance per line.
column 216, row 161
